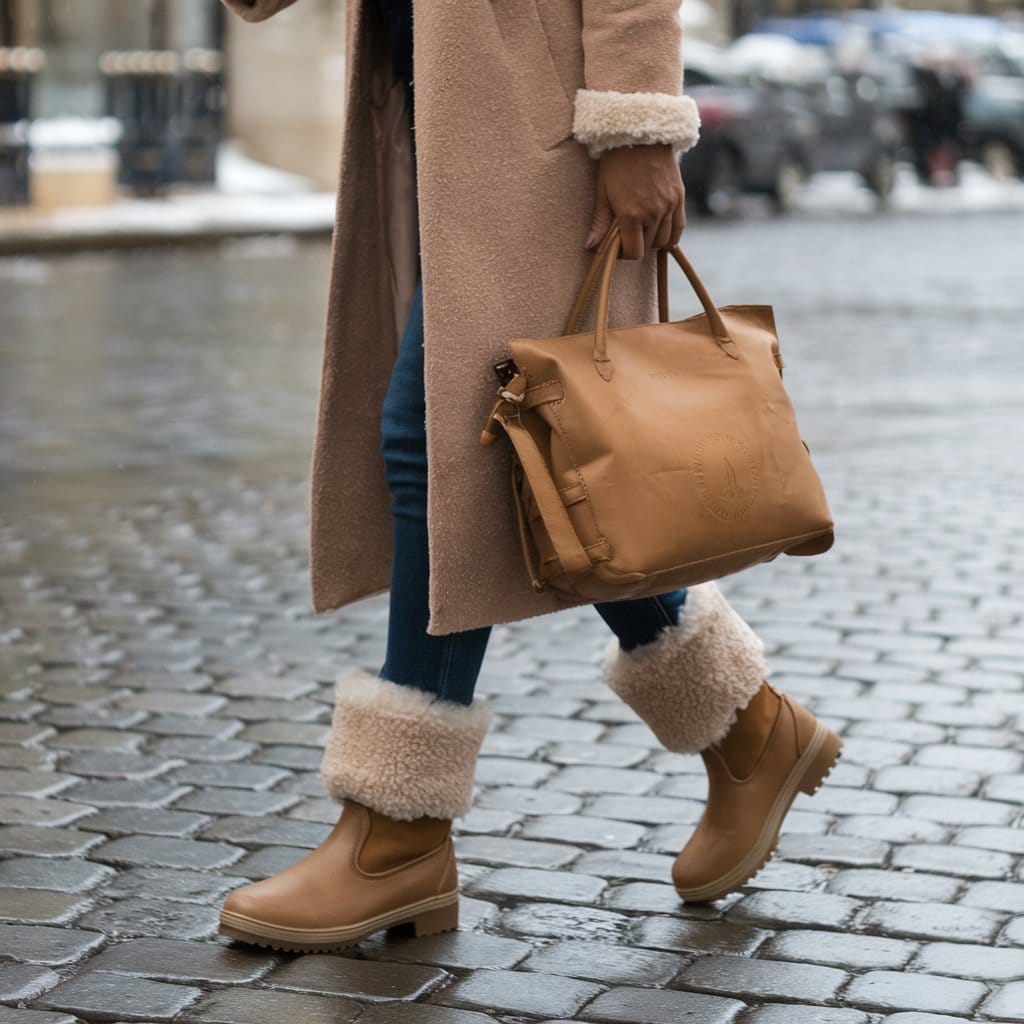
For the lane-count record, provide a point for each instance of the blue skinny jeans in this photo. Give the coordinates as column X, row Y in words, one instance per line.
column 448, row 666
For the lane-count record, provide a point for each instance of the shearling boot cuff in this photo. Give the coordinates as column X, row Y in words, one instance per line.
column 401, row 751
column 690, row 682
column 603, row 118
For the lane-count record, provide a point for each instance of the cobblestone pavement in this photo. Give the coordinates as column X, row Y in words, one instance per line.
column 166, row 689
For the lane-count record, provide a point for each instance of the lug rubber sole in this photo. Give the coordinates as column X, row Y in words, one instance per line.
column 807, row 775
column 425, row 917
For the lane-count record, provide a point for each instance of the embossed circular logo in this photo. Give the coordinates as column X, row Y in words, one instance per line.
column 727, row 475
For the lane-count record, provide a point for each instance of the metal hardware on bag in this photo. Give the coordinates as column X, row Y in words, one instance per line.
column 510, row 396
column 506, row 370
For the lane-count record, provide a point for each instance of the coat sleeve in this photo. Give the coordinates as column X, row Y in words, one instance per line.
column 256, row 10
column 633, row 71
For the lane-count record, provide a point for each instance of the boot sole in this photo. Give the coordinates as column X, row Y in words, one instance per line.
column 426, row 917
column 807, row 775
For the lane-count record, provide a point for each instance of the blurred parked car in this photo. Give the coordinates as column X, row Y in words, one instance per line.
column 992, row 130
column 754, row 138
column 829, row 63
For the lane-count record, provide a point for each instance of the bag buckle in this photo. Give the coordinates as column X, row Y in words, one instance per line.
column 506, row 370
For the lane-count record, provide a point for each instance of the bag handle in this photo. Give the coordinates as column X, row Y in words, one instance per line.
column 604, row 261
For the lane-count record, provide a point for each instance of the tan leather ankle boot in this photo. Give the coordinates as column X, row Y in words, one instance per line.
column 371, row 872
column 700, row 688
column 402, row 763
column 775, row 749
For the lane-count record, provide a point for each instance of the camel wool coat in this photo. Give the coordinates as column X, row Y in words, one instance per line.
column 515, row 100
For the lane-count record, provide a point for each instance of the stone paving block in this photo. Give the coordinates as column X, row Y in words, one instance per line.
column 556, row 920
column 646, row 897
column 611, row 755
column 33, row 783
column 234, row 776
column 22, row 982
column 660, row 1006
column 202, row 749
column 362, row 979
column 158, row 852
column 960, row 960
column 703, row 937
column 630, row 864
column 299, row 759
column 151, row 821
column 598, row 779
column 39, row 906
column 763, row 979
column 933, row 921
column 895, row 885
column 28, row 810
column 650, row 810
column 1007, row 896
column 103, row 995
column 420, row 1013
column 511, row 771
column 953, row 860
column 284, row 688
column 129, row 916
column 950, row 810
column 893, row 829
column 772, row 909
column 520, row 992
column 521, row 853
column 170, row 883
column 464, row 950
column 842, row 850
column 172, row 702
column 577, row 828
column 113, row 764
column 98, row 739
column 529, row 883
column 1009, row 840
column 125, row 793
column 16, row 1015
column 1007, row 1002
column 559, row 729
column 53, row 874
column 984, row 760
column 198, row 962
column 260, row 1006
column 40, row 944
column 904, row 990
column 266, row 831
column 36, row 841
column 791, row 1014
column 611, row 964
column 236, row 801
column 780, row 874
column 847, row 950
column 912, row 1017
column 268, row 860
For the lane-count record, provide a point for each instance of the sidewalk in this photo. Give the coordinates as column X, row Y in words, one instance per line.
column 165, row 690
column 250, row 199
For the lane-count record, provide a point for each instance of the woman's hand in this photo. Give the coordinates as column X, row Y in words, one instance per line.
column 642, row 188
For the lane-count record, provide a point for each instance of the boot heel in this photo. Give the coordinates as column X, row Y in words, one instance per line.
column 443, row 919
column 829, row 748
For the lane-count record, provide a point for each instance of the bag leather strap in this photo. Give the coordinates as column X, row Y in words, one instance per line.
column 602, row 266
column 570, row 551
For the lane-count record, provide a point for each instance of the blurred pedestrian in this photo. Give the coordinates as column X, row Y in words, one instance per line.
column 935, row 122
column 535, row 124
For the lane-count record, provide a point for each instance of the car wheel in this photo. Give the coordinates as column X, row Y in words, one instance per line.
column 999, row 160
column 880, row 177
column 789, row 176
column 720, row 195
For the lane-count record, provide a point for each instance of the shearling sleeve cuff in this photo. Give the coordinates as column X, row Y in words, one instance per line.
column 604, row 119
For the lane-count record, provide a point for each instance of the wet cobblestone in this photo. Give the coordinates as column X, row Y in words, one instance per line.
column 164, row 687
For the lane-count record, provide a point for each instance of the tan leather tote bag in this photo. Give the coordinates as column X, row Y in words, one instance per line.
column 654, row 456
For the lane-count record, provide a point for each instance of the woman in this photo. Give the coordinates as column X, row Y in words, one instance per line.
column 535, row 122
